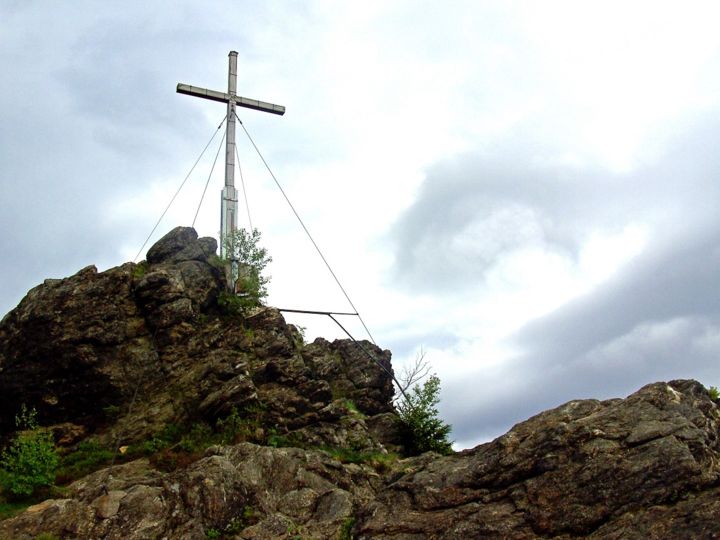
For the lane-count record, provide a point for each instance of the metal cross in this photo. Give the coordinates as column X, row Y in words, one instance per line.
column 228, row 205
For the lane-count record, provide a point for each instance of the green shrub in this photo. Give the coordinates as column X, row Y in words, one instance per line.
column 30, row 460
column 421, row 429
column 714, row 393
column 11, row 509
column 234, row 305
column 89, row 456
column 235, row 428
column 346, row 529
column 242, row 248
column 199, row 437
column 111, row 411
column 140, row 269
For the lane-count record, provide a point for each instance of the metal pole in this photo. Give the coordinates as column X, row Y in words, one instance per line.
column 228, row 211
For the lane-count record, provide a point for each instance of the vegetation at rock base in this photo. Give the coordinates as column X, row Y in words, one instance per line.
column 89, row 456
column 714, row 393
column 421, row 428
column 346, row 530
column 31, row 459
column 10, row 509
column 380, row 461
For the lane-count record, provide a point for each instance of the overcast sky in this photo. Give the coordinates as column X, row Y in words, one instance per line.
column 526, row 190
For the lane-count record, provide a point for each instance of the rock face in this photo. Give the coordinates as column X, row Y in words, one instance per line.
column 643, row 467
column 122, row 354
column 78, row 350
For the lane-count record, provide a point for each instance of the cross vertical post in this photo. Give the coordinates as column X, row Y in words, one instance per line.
column 228, row 199
column 228, row 202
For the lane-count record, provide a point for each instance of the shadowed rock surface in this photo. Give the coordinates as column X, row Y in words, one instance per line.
column 76, row 349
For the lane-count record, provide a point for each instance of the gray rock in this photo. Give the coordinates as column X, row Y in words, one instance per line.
column 172, row 243
column 209, row 246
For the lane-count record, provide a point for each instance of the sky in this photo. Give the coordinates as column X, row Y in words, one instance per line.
column 524, row 192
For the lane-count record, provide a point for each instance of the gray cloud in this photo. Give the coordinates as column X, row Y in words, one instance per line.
column 660, row 320
column 473, row 210
column 657, row 319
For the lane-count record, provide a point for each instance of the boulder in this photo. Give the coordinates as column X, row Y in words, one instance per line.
column 179, row 240
column 586, row 469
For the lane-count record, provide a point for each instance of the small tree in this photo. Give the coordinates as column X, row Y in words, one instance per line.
column 421, row 428
column 30, row 460
column 412, row 374
column 249, row 259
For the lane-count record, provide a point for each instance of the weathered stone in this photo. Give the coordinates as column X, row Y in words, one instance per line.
column 108, row 505
column 79, row 348
column 67, row 433
column 209, row 246
column 171, row 244
column 546, row 478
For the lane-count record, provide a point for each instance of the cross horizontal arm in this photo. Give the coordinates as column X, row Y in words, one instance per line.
column 222, row 97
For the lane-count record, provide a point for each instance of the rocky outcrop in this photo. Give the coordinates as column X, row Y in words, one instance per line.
column 81, row 350
column 245, row 491
column 641, row 467
column 123, row 354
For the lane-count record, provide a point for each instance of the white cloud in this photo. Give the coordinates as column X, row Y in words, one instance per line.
column 466, row 170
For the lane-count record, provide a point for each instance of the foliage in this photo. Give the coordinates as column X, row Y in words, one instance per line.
column 420, row 427
column 212, row 533
column 714, row 393
column 199, row 437
column 246, row 518
column 352, row 408
column 140, row 269
column 234, row 305
column 111, row 411
column 30, row 460
column 178, row 446
column 89, row 456
column 13, row 508
column 243, row 248
column 235, row 428
column 275, row 440
column 346, row 529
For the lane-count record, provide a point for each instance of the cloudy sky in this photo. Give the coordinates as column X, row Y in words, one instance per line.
column 526, row 190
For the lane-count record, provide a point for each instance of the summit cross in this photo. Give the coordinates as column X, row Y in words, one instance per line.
column 228, row 204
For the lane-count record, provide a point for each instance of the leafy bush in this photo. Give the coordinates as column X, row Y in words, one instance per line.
column 714, row 393
column 30, row 460
column 213, row 533
column 242, row 248
column 234, row 305
column 421, row 429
